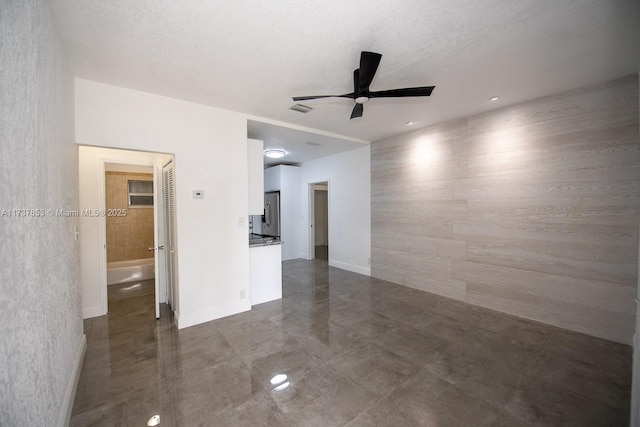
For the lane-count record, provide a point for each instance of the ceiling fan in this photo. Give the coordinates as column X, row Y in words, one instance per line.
column 362, row 78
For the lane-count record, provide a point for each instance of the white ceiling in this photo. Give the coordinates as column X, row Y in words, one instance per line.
column 300, row 146
column 252, row 56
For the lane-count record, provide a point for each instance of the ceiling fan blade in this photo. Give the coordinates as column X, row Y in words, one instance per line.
column 399, row 93
column 305, row 98
column 369, row 62
column 357, row 111
column 362, row 78
column 356, row 81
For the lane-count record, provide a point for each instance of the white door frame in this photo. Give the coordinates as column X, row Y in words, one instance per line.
column 312, row 216
column 102, row 226
column 159, row 268
column 171, row 244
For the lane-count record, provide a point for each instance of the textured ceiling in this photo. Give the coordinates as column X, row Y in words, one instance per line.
column 253, row 55
column 299, row 145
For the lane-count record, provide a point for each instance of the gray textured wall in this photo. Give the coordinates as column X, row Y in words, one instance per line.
column 40, row 318
column 531, row 210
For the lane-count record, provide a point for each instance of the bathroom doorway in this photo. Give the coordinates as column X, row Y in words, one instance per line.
column 319, row 215
column 128, row 216
column 129, row 201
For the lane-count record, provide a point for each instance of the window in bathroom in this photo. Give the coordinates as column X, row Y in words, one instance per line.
column 140, row 194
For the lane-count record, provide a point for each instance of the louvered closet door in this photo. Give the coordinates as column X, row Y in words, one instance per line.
column 168, row 172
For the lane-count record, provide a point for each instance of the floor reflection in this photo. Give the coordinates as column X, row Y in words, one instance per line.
column 341, row 348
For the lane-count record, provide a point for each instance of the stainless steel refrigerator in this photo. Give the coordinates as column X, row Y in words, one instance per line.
column 271, row 217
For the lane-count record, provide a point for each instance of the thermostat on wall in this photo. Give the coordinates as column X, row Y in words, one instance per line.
column 198, row 194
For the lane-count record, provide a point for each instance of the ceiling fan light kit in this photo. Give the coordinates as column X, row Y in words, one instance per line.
column 362, row 78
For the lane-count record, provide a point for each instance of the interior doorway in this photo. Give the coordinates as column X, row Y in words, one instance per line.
column 319, row 230
column 130, row 221
column 141, row 203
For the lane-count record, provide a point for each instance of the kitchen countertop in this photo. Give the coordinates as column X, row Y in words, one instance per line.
column 256, row 240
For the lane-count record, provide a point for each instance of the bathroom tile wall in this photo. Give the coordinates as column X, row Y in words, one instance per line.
column 130, row 236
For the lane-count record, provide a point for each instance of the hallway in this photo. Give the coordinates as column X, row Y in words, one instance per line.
column 356, row 351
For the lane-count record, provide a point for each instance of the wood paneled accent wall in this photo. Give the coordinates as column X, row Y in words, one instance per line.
column 531, row 210
column 128, row 237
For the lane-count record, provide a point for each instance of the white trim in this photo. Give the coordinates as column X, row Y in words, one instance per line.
column 635, row 370
column 70, row 393
column 350, row 267
column 311, row 216
column 311, row 229
column 102, row 237
column 95, row 311
column 306, row 129
column 176, row 319
column 158, row 278
column 102, row 221
column 212, row 313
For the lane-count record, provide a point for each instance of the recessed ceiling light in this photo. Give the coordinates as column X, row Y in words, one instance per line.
column 409, row 123
column 154, row 421
column 274, row 154
column 494, row 98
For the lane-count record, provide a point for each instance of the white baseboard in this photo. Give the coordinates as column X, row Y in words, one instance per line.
column 89, row 312
column 213, row 313
column 70, row 393
column 176, row 319
column 350, row 267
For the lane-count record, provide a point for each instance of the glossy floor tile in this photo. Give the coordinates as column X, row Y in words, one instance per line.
column 351, row 351
column 322, row 252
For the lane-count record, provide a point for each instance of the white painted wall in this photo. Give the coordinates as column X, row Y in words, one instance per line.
column 635, row 385
column 255, row 162
column 92, row 229
column 265, row 274
column 213, row 261
column 272, row 178
column 286, row 179
column 635, row 381
column 290, row 204
column 41, row 338
column 349, row 178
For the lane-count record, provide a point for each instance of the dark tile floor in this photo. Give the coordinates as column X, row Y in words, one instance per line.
column 322, row 252
column 356, row 351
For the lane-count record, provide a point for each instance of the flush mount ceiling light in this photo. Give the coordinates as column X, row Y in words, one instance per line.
column 409, row 123
column 493, row 98
column 154, row 421
column 274, row 154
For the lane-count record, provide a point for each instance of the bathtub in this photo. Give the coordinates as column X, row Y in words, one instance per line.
column 130, row 271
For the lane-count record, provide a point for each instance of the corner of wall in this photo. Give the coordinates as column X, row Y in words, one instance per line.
column 94, row 311
column 210, row 314
column 70, row 392
column 350, row 267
